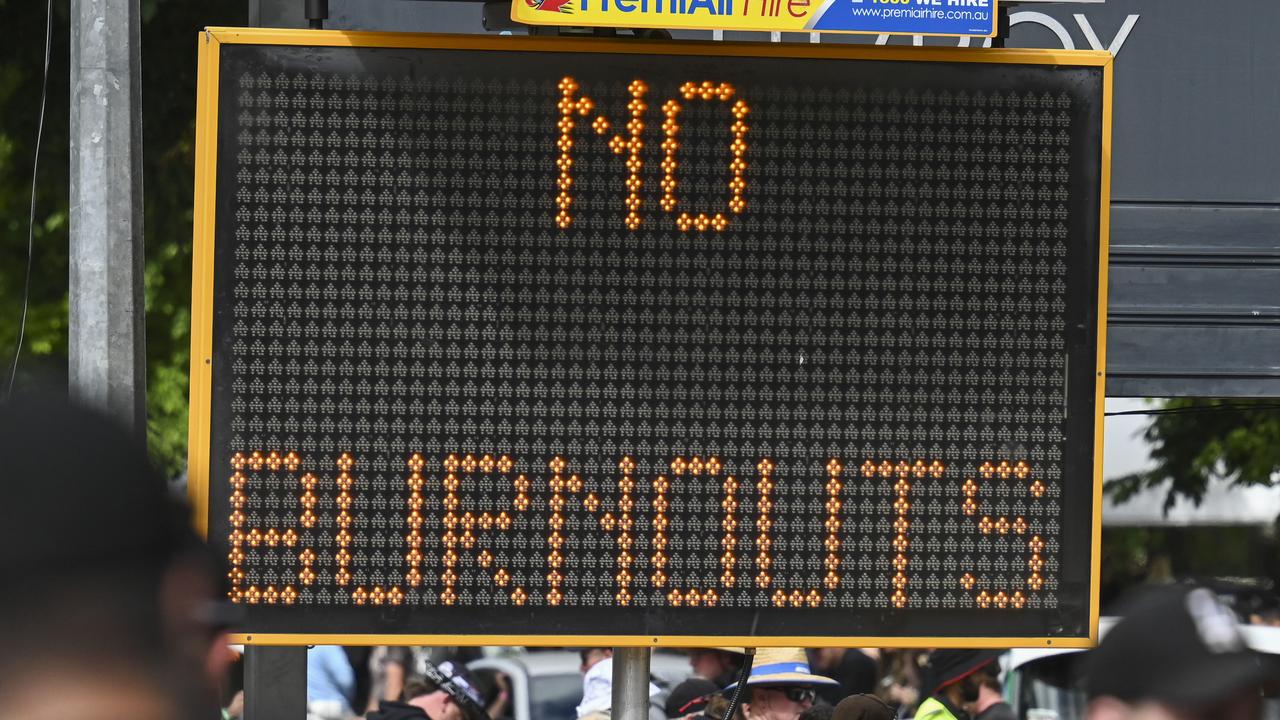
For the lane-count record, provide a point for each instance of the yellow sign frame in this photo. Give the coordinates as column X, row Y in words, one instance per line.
column 209, row 48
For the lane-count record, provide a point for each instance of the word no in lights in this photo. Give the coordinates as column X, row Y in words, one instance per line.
column 463, row 529
column 633, row 143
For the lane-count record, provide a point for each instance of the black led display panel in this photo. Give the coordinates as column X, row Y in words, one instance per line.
column 545, row 340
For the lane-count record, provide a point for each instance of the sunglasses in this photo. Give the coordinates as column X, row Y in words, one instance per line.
column 798, row 694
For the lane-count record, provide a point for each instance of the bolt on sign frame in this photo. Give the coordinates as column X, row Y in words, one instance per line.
column 580, row 342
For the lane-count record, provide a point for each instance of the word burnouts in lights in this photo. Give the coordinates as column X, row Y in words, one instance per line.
column 511, row 338
column 565, row 490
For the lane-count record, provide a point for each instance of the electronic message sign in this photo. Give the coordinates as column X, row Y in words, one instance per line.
column 521, row 341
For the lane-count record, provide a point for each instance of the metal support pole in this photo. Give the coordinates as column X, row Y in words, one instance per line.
column 106, row 343
column 275, row 683
column 317, row 12
column 630, row 683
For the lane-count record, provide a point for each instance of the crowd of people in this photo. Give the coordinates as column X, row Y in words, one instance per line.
column 110, row 611
column 347, row 682
column 1178, row 655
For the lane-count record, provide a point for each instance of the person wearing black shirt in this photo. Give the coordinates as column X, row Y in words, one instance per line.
column 856, row 672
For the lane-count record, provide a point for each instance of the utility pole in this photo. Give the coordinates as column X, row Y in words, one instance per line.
column 107, row 362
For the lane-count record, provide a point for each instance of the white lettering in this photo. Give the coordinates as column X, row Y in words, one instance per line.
column 1116, row 43
column 1050, row 23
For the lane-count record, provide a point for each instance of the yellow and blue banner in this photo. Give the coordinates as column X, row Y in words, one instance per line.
column 897, row 17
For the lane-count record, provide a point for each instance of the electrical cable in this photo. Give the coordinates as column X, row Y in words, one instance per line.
column 750, row 656
column 31, row 215
column 1194, row 410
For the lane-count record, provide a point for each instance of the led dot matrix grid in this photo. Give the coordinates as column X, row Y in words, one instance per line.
column 767, row 337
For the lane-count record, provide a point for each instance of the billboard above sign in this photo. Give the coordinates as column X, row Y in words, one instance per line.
column 909, row 17
column 550, row 341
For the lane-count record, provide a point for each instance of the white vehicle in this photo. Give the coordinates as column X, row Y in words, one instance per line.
column 547, row 684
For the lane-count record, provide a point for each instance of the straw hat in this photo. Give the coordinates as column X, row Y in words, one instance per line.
column 782, row 666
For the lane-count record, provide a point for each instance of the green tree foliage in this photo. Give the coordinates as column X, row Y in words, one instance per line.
column 169, row 34
column 21, row 63
column 1195, row 441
